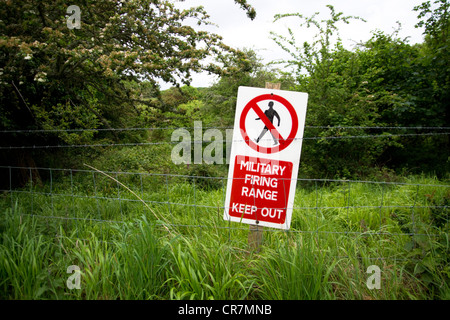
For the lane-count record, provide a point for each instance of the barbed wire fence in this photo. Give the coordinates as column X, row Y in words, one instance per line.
column 85, row 196
column 443, row 131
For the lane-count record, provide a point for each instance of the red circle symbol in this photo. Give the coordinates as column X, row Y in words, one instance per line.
column 283, row 142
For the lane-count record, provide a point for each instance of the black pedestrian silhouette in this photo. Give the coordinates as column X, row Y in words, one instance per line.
column 270, row 113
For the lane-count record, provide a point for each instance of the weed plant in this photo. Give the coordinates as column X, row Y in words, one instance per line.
column 179, row 247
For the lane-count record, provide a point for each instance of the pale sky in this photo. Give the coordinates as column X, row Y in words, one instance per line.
column 240, row 32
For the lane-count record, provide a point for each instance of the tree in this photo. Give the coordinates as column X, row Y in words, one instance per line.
column 385, row 82
column 220, row 98
column 410, row 84
column 436, row 53
column 437, row 25
column 332, row 77
column 55, row 77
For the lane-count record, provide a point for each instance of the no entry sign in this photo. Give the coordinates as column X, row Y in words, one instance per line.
column 265, row 155
column 253, row 105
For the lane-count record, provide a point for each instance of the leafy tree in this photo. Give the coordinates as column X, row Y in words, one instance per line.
column 437, row 24
column 436, row 54
column 54, row 77
column 385, row 82
column 220, row 98
column 331, row 75
column 410, row 85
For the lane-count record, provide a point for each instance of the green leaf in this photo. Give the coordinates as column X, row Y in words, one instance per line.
column 409, row 246
column 419, row 268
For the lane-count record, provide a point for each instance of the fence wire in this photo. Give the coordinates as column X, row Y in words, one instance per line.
column 136, row 144
column 24, row 131
column 391, row 212
column 323, row 207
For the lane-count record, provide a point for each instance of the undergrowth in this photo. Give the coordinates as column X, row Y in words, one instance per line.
column 179, row 247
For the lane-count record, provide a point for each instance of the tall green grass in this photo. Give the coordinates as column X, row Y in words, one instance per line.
column 124, row 252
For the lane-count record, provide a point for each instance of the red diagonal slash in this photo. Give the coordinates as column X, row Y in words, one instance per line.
column 267, row 122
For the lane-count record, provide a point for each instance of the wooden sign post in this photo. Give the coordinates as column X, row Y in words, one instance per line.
column 256, row 232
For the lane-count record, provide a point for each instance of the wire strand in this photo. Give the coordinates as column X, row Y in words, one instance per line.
column 217, row 141
column 220, row 128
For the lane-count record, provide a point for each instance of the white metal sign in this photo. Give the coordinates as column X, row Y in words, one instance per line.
column 264, row 157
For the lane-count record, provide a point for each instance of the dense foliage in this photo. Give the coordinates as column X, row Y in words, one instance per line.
column 55, row 77
column 175, row 244
column 124, row 253
column 383, row 82
column 123, row 49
